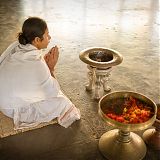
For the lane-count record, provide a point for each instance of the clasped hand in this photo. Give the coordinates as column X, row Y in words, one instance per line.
column 51, row 58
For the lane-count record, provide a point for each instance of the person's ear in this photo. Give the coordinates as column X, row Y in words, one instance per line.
column 36, row 41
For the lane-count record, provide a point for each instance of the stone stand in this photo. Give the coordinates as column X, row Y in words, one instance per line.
column 98, row 80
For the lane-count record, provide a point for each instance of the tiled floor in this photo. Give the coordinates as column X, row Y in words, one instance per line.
column 130, row 27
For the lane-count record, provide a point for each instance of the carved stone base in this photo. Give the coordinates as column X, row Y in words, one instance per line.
column 98, row 80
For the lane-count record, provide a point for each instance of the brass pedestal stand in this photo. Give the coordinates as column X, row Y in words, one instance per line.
column 119, row 145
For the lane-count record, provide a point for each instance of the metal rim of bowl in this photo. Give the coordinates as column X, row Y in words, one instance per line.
column 84, row 56
column 124, row 126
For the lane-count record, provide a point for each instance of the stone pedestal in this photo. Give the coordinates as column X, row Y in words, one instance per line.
column 98, row 80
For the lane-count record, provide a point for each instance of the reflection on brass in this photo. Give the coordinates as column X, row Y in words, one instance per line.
column 121, row 143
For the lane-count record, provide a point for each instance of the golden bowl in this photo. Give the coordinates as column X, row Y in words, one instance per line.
column 125, row 126
column 100, row 57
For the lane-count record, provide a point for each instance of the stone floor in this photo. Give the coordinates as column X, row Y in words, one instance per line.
column 130, row 27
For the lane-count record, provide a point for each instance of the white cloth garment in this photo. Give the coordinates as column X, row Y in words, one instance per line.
column 28, row 92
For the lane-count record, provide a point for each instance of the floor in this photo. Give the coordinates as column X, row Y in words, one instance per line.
column 130, row 27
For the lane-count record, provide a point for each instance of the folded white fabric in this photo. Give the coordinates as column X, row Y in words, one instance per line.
column 69, row 116
column 29, row 94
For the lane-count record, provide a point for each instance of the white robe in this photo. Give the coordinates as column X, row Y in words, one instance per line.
column 28, row 92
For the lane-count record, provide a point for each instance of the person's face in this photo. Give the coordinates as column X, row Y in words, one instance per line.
column 42, row 43
column 45, row 41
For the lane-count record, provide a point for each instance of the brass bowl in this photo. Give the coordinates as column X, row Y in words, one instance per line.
column 108, row 57
column 124, row 126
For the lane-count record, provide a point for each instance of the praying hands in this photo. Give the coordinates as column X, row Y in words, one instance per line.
column 51, row 58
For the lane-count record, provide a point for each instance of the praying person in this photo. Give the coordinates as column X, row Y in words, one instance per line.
column 29, row 91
